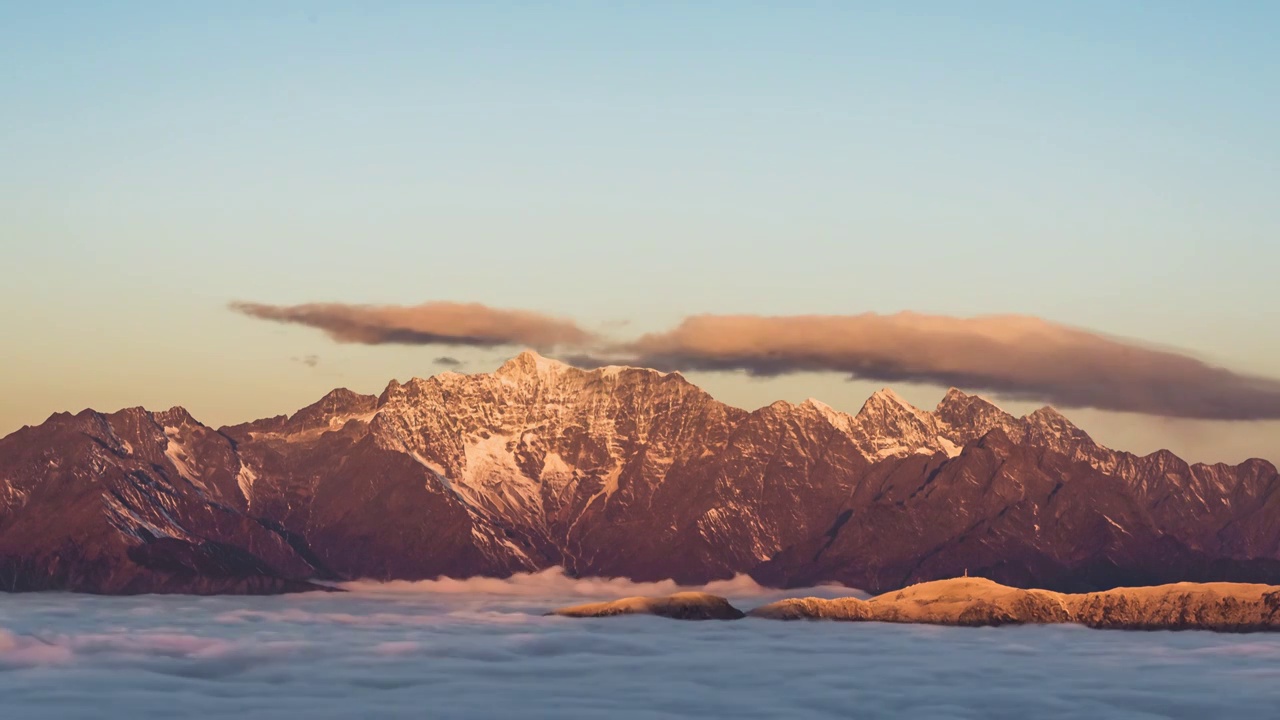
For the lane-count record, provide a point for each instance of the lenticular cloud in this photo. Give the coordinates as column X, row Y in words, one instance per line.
column 435, row 323
column 1019, row 357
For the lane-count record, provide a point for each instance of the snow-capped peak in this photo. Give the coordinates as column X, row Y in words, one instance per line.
column 818, row 405
column 956, row 399
column 1050, row 423
column 1048, row 413
column 529, row 361
column 887, row 426
column 889, row 396
column 966, row 417
column 835, row 417
column 616, row 370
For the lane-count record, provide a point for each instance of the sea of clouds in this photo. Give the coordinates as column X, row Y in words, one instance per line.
column 482, row 648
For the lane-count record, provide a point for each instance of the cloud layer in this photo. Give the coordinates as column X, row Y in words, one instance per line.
column 408, row 653
column 435, row 323
column 1016, row 356
column 554, row 582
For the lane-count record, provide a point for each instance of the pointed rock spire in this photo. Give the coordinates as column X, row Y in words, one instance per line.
column 886, row 400
column 338, row 403
column 969, row 416
column 530, row 363
column 1049, row 427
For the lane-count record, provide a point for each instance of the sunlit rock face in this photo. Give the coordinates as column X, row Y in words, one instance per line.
column 1225, row 607
column 615, row 472
column 679, row 606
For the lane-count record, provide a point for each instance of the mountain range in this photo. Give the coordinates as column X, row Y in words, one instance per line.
column 620, row 472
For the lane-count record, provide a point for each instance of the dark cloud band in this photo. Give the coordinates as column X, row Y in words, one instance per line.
column 1016, row 356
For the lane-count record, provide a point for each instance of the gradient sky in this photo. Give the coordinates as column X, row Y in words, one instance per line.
column 1114, row 166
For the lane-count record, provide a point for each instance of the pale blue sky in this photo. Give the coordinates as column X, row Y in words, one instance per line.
column 1109, row 165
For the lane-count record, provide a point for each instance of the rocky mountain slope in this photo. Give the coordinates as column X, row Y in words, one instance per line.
column 613, row 472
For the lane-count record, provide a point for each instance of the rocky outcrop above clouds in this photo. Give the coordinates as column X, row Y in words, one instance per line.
column 1224, row 607
column 679, row 606
column 975, row 602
